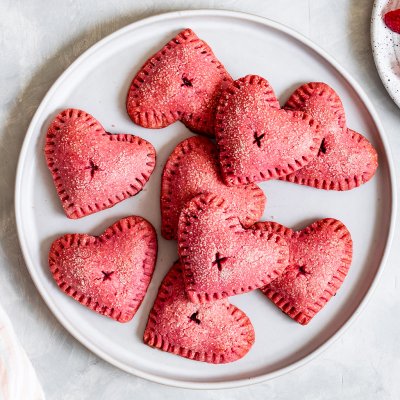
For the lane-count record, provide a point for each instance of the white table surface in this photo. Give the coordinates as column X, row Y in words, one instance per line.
column 38, row 40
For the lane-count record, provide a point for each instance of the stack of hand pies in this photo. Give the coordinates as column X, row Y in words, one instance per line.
column 210, row 201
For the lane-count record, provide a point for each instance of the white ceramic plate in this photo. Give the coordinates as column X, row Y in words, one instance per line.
column 97, row 82
column 386, row 48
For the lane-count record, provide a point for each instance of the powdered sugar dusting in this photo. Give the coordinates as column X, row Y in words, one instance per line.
column 216, row 332
column 181, row 81
column 257, row 140
column 348, row 159
column 320, row 256
column 193, row 169
column 93, row 170
column 110, row 273
column 221, row 258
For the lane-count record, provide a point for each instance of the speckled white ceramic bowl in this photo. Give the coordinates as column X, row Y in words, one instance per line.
column 386, row 48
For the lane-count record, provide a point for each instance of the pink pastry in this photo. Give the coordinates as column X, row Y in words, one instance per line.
column 216, row 332
column 220, row 257
column 92, row 169
column 345, row 159
column 109, row 273
column 181, row 82
column 192, row 169
column 320, row 257
column 257, row 140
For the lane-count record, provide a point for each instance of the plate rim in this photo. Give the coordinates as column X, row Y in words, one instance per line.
column 375, row 17
column 187, row 383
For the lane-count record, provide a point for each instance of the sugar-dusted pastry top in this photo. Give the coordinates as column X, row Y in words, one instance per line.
column 110, row 273
column 345, row 159
column 216, row 332
column 320, row 258
column 182, row 81
column 219, row 256
column 93, row 170
column 192, row 169
column 257, row 140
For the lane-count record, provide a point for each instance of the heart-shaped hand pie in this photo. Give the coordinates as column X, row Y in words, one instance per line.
column 192, row 169
column 220, row 257
column 346, row 159
column 109, row 273
column 216, row 332
column 181, row 82
column 320, row 257
column 257, row 140
column 92, row 169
